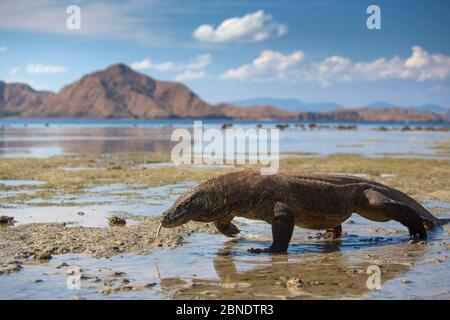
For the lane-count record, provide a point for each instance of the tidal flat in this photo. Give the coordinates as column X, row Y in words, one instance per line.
column 61, row 222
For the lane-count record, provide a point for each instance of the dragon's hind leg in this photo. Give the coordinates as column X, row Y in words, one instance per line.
column 375, row 206
column 282, row 228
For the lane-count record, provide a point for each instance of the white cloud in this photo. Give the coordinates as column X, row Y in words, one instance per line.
column 190, row 70
column 419, row 66
column 199, row 62
column 3, row 49
column 272, row 65
column 190, row 75
column 253, row 27
column 14, row 71
column 418, row 59
column 269, row 65
column 42, row 68
column 112, row 19
column 148, row 64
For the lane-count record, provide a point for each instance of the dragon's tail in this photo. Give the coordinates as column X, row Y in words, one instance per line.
column 444, row 221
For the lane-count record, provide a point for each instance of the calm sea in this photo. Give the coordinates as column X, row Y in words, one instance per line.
column 51, row 137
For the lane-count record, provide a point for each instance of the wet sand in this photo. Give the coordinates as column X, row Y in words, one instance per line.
column 194, row 261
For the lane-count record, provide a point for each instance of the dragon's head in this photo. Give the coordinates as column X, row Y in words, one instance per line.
column 191, row 206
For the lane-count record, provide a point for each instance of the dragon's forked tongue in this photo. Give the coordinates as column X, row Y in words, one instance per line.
column 156, row 242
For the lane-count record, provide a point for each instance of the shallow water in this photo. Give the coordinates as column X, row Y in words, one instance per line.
column 20, row 183
column 95, row 216
column 211, row 266
column 97, row 204
column 33, row 138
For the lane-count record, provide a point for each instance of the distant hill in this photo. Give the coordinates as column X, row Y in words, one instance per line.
column 424, row 107
column 20, row 98
column 117, row 92
column 392, row 114
column 256, row 112
column 433, row 108
column 379, row 105
column 120, row 92
column 292, row 104
column 289, row 104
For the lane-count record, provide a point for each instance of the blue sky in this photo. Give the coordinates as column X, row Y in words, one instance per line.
column 315, row 51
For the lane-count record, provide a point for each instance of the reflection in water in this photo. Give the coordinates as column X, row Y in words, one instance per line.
column 326, row 271
column 106, row 136
column 209, row 267
column 51, row 141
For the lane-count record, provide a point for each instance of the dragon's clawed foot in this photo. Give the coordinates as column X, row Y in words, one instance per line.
column 266, row 250
column 227, row 228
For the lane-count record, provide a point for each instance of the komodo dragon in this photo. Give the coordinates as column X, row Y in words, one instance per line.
column 285, row 200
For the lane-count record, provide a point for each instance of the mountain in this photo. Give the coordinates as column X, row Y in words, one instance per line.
column 255, row 112
column 424, row 107
column 120, row 92
column 18, row 98
column 379, row 105
column 433, row 108
column 289, row 104
column 294, row 105
column 391, row 114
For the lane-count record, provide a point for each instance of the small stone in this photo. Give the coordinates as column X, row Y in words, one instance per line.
column 405, row 281
column 80, row 213
column 112, row 273
column 62, row 265
column 116, row 221
column 294, row 283
column 9, row 268
column 5, row 220
column 42, row 256
column 106, row 291
column 37, row 281
column 107, row 283
column 127, row 288
column 78, row 298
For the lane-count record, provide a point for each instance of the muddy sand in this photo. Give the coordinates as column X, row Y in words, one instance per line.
column 194, row 261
